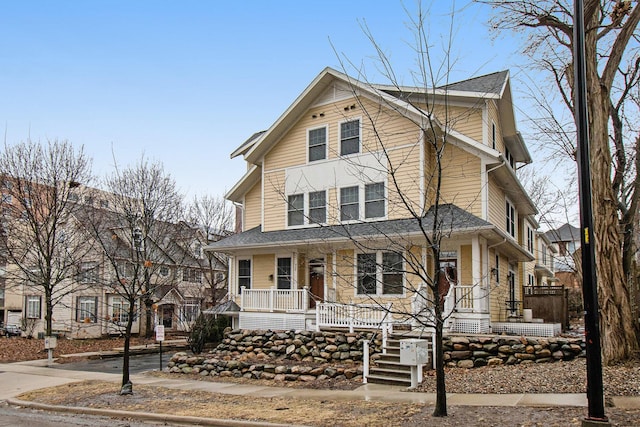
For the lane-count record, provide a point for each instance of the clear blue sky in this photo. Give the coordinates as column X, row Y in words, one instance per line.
column 186, row 82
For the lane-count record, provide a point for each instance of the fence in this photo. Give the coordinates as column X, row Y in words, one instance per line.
column 549, row 303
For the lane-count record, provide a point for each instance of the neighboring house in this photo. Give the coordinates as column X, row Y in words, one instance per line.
column 317, row 208
column 566, row 242
column 545, row 260
column 183, row 279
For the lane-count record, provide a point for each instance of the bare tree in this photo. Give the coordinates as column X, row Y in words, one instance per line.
column 137, row 239
column 214, row 216
column 613, row 72
column 40, row 243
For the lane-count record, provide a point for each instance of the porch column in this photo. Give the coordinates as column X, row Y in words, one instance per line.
column 476, row 275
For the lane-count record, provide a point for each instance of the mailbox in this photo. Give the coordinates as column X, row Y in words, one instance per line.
column 414, row 352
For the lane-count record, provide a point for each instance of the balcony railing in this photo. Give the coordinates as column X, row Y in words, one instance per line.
column 464, row 297
column 284, row 300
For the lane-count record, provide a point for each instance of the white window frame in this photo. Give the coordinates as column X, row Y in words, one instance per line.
column 249, row 277
column 86, row 307
column 511, row 229
column 309, row 208
column 530, row 238
column 359, row 120
column 191, row 275
column 379, row 275
column 288, row 277
column 326, row 142
column 122, row 305
column 33, row 306
column 383, row 199
column 292, row 210
column 190, row 310
column 350, row 204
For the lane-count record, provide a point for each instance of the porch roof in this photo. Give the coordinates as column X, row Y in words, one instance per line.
column 455, row 222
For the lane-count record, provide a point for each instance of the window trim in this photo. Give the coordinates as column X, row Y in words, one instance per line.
column 357, row 203
column 288, row 276
column 310, row 209
column 379, row 275
column 340, row 139
column 29, row 312
column 511, row 227
column 326, row 143
column 92, row 314
column 293, row 210
column 383, row 199
column 249, row 277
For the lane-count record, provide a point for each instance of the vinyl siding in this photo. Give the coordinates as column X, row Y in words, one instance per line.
column 262, row 267
column 499, row 292
column 466, row 120
column 461, row 180
column 497, row 214
column 275, row 203
column 493, row 116
column 466, row 266
column 253, row 207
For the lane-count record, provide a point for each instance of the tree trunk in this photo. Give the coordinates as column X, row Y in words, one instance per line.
column 48, row 316
column 618, row 338
column 440, row 409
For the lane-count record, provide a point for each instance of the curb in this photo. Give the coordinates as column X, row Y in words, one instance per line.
column 145, row 416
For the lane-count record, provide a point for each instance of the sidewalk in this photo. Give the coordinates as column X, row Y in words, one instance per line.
column 25, row 376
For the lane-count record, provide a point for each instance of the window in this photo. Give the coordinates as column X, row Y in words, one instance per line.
column 295, row 213
column 120, row 310
column 529, row 239
column 509, row 157
column 88, row 272
column 284, row 273
column 497, row 269
column 374, row 200
column 164, row 271
column 74, row 197
column 493, row 135
column 34, row 303
column 318, row 207
column 192, row 275
column 7, row 184
column 86, row 309
column 543, row 249
column 349, row 137
column 367, row 274
column 190, row 310
column 6, row 198
column 244, row 274
column 197, row 249
column 125, row 269
column 317, row 144
column 392, row 272
column 104, row 204
column 511, row 219
column 531, row 280
column 349, row 204
column 88, row 200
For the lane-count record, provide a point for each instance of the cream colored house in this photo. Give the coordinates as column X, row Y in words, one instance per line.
column 339, row 191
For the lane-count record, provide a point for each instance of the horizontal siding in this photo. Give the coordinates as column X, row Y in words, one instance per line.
column 497, row 214
column 275, row 204
column 499, row 292
column 461, row 180
column 406, row 164
column 263, row 266
column 466, row 120
column 466, row 265
column 493, row 116
column 253, row 207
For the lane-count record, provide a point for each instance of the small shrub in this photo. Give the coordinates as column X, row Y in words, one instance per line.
column 206, row 329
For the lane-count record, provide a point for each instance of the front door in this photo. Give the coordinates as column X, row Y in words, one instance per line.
column 316, row 281
column 167, row 315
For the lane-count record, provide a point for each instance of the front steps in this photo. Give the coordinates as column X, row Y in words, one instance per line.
column 386, row 369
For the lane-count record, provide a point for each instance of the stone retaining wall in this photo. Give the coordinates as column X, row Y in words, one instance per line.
column 470, row 352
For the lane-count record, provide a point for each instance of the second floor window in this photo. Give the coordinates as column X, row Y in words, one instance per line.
column 349, row 137
column 192, row 275
column 349, row 204
column 511, row 219
column 529, row 239
column 374, row 200
column 318, row 207
column 317, row 144
column 244, row 274
column 88, row 272
column 295, row 209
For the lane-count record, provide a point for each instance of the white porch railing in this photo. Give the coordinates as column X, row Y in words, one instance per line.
column 464, row 298
column 287, row 300
column 369, row 316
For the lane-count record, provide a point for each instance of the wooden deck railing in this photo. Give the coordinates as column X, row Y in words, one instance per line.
column 286, row 300
column 368, row 316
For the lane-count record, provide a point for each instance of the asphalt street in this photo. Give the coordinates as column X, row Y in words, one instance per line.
column 113, row 365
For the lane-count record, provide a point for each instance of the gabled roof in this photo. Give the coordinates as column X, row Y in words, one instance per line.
column 493, row 83
column 566, row 233
column 454, row 221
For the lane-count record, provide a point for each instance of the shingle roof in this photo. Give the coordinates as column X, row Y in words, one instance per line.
column 489, row 83
column 452, row 217
column 566, row 233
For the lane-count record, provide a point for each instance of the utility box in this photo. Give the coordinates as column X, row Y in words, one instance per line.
column 414, row 352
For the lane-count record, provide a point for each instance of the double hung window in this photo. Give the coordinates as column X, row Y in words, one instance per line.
column 349, row 137
column 295, row 209
column 317, row 144
column 34, row 304
column 380, row 273
column 86, row 309
column 244, row 274
column 318, row 207
column 511, row 219
column 349, row 204
column 284, row 273
column 374, row 200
